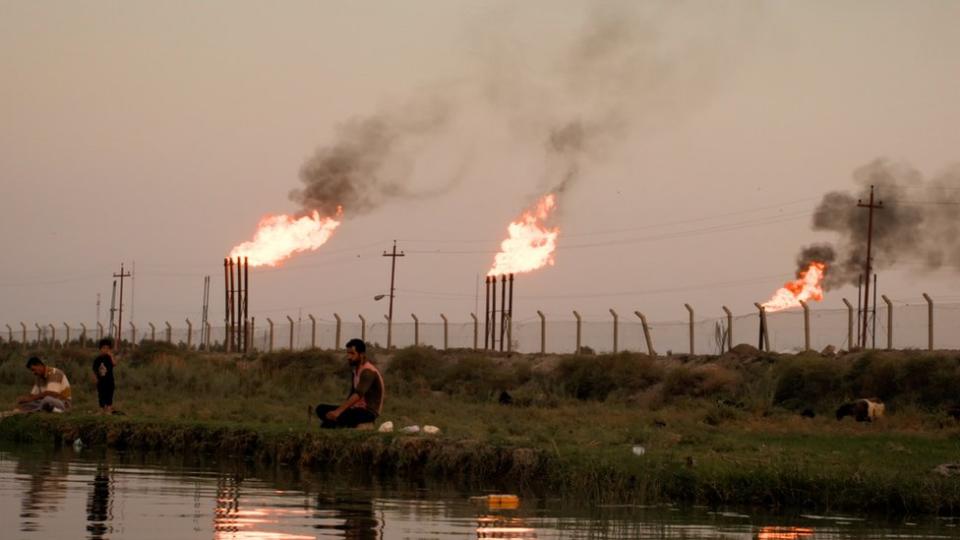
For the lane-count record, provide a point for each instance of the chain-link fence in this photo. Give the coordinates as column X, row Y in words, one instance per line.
column 901, row 326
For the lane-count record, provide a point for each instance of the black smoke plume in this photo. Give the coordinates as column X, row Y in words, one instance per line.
column 918, row 225
column 370, row 160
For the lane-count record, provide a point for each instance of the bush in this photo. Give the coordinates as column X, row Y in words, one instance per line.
column 805, row 381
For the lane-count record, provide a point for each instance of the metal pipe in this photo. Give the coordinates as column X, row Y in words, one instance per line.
column 445, row 335
column 889, row 321
column 503, row 309
column 849, row 323
column 764, row 334
column 246, row 303
column 290, row 346
column 579, row 324
column 859, row 307
column 806, row 325
column 646, row 333
column 493, row 313
column 510, row 318
column 929, row 320
column 270, row 342
column 416, row 330
column 543, row 332
column 615, row 330
column 690, row 309
column 486, row 313
column 227, row 308
column 729, row 339
column 313, row 331
column 476, row 330
column 336, row 345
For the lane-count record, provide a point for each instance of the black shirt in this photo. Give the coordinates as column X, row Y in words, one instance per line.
column 103, row 368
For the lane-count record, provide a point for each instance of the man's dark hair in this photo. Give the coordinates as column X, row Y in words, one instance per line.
column 358, row 345
column 34, row 361
column 105, row 342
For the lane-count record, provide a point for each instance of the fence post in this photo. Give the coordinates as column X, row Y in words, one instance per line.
column 189, row 334
column 336, row 345
column 764, row 334
column 929, row 320
column 169, row 332
column 416, row 330
column 849, row 323
column 615, row 330
column 646, row 333
column 153, row 332
column 476, row 330
column 579, row 324
column 510, row 329
column 889, row 321
column 208, row 331
column 66, row 340
column 83, row 334
column 99, row 331
column 313, row 331
column 251, row 340
column 806, row 325
column 289, row 318
column 270, row 334
column 543, row 332
column 40, row 333
column 53, row 335
column 363, row 329
column 690, row 309
column 445, row 335
column 729, row 329
column 133, row 334
column 9, row 333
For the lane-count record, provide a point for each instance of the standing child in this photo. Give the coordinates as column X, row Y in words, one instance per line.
column 103, row 372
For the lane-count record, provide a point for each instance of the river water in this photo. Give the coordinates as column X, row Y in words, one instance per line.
column 52, row 494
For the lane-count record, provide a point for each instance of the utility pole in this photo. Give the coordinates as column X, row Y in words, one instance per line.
column 866, row 296
column 122, row 275
column 204, row 312
column 113, row 308
column 393, row 273
column 98, row 308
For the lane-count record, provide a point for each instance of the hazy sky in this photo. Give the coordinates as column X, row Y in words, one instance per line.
column 161, row 132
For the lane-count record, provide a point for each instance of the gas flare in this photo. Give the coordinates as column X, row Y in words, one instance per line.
column 279, row 237
column 530, row 243
column 808, row 286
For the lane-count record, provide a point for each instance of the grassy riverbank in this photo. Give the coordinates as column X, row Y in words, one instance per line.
column 713, row 430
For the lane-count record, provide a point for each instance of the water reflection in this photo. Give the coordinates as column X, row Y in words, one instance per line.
column 353, row 517
column 119, row 496
column 513, row 528
column 45, row 487
column 784, row 533
column 99, row 505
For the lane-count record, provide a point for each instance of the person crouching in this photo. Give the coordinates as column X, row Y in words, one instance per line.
column 50, row 392
column 366, row 393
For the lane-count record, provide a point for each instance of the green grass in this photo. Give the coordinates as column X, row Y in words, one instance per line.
column 571, row 428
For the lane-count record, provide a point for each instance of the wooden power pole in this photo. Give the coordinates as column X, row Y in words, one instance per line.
column 871, row 206
column 393, row 272
column 122, row 275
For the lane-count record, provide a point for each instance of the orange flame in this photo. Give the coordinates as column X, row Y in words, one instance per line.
column 280, row 237
column 530, row 244
column 806, row 287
